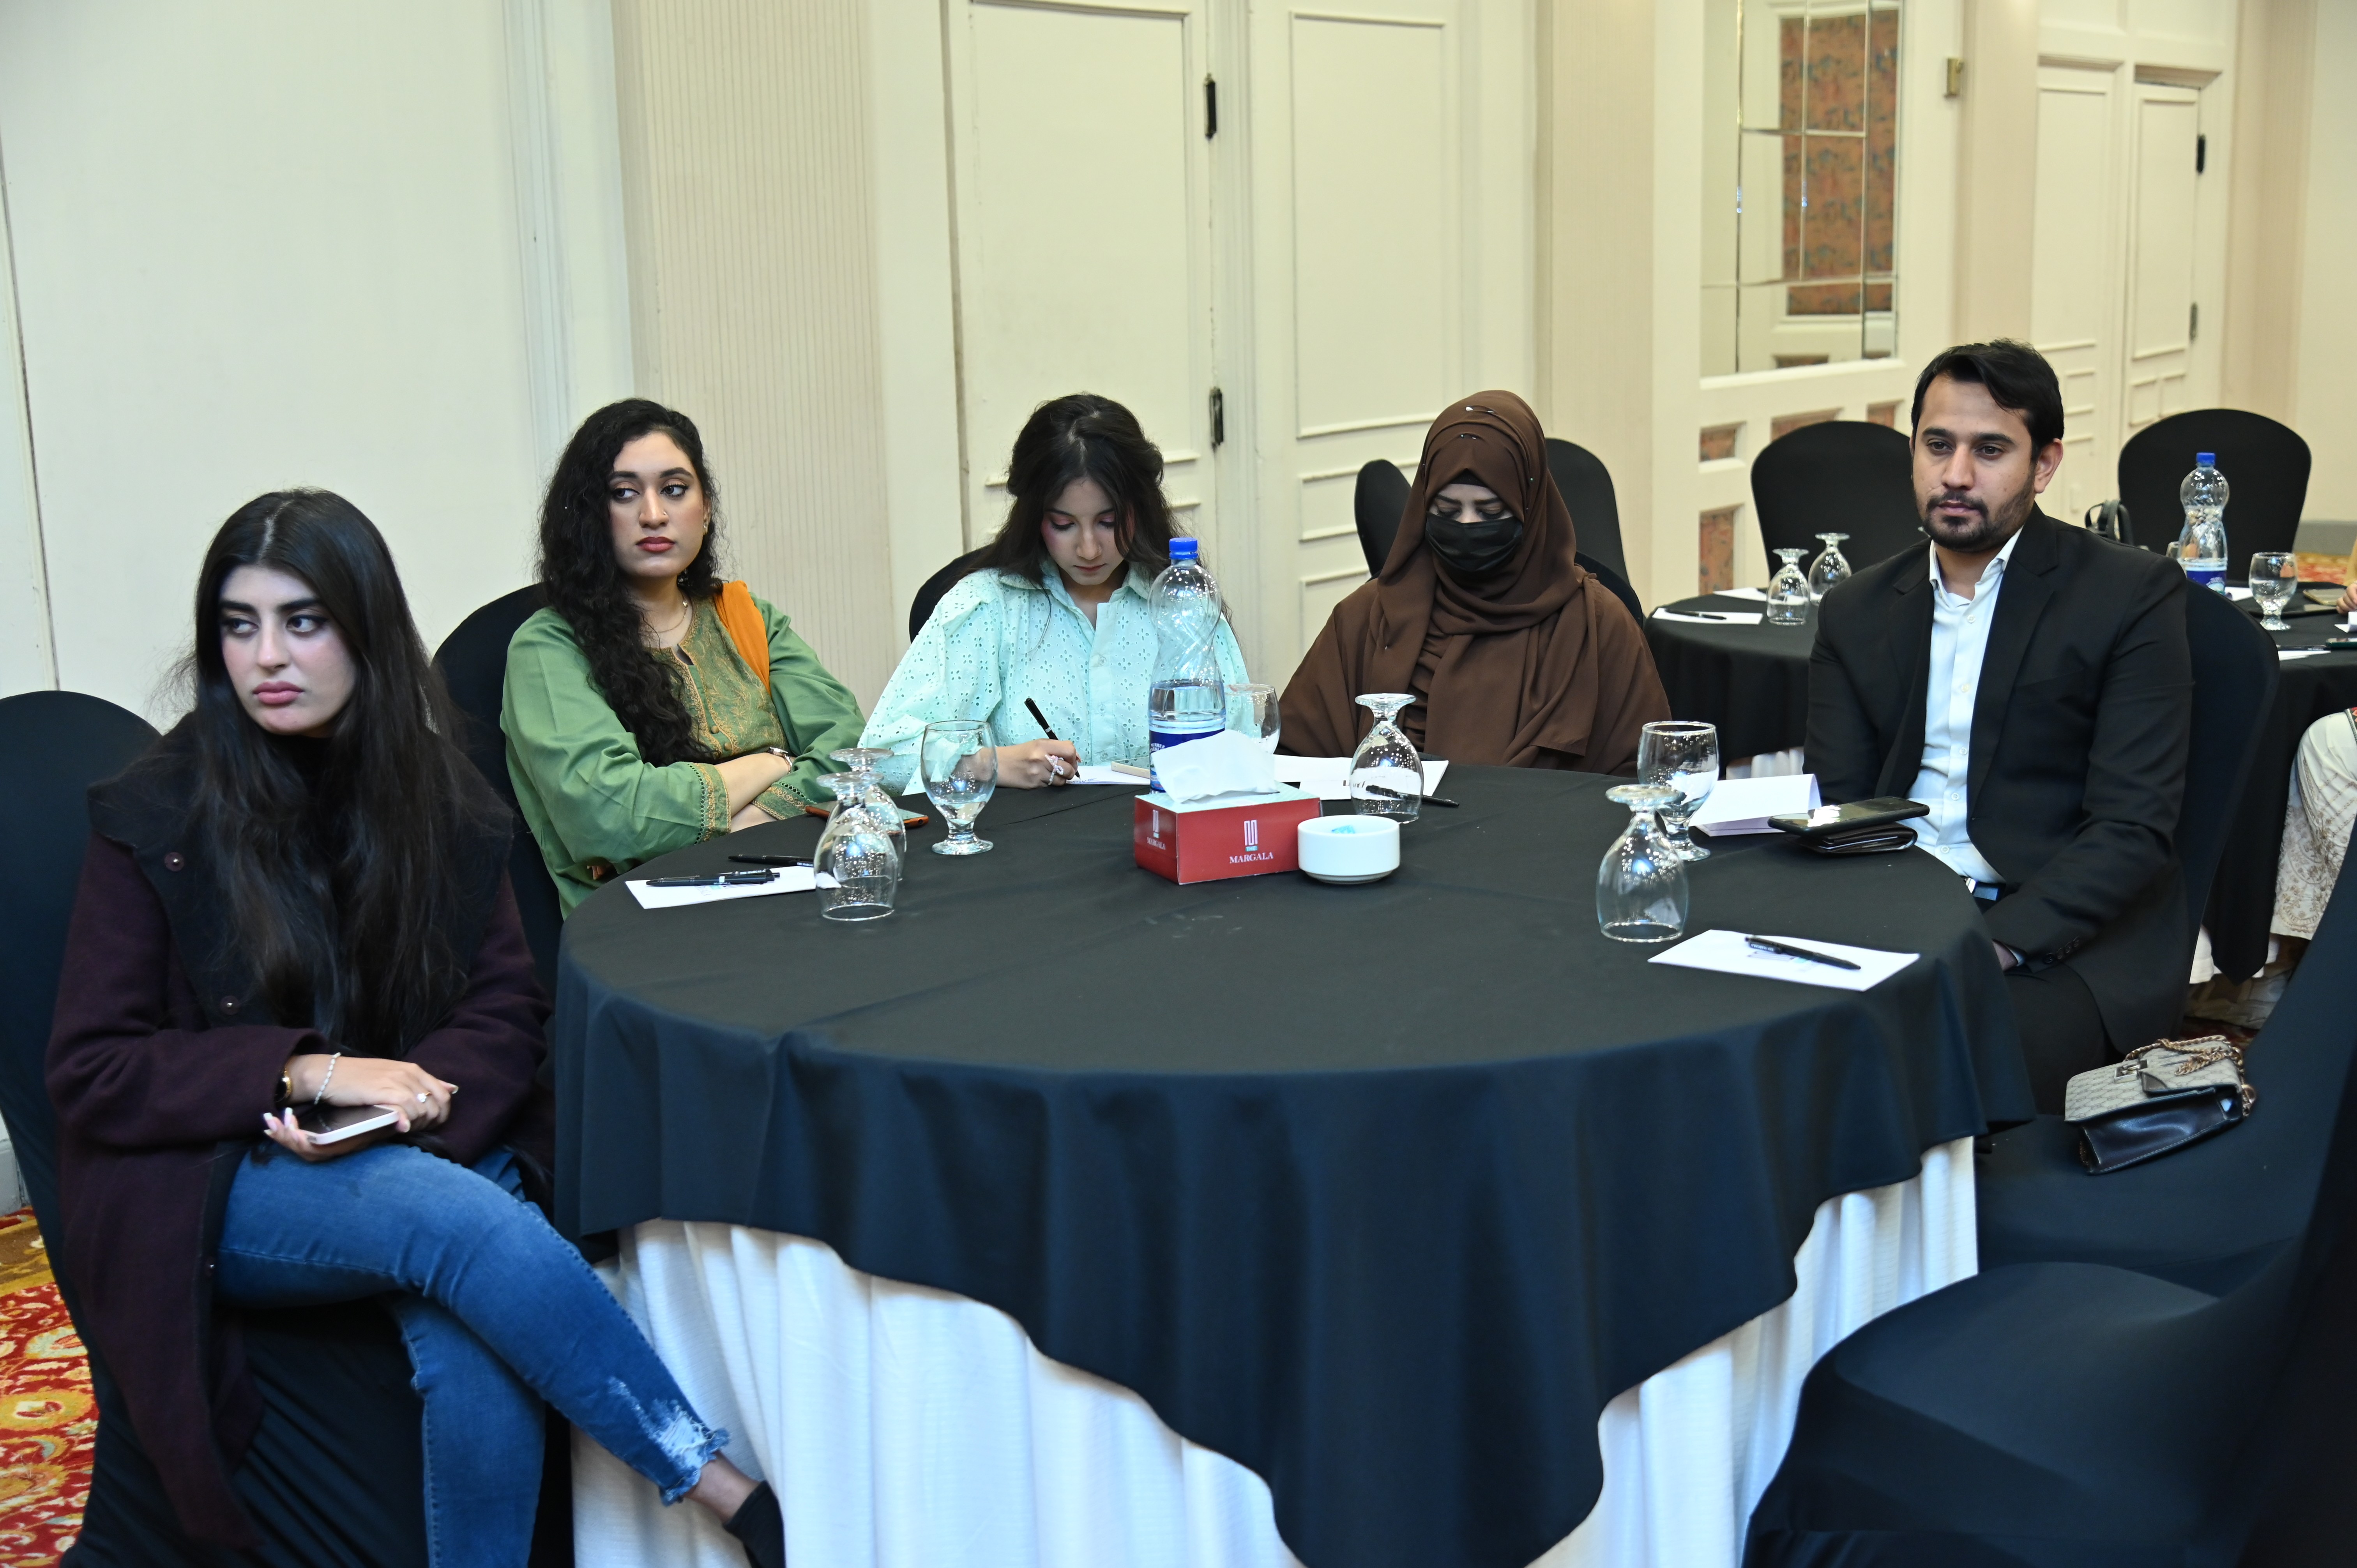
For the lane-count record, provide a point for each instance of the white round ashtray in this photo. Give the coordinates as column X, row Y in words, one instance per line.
column 1349, row 849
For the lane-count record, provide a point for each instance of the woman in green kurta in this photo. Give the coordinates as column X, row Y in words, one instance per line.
column 651, row 705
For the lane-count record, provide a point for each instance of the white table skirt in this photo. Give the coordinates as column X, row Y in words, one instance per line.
column 917, row 1429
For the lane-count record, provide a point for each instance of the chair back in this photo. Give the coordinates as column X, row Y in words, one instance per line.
column 1603, row 572
column 2265, row 464
column 53, row 747
column 1587, row 487
column 921, row 608
column 2234, row 675
column 474, row 664
column 1378, row 504
column 1841, row 476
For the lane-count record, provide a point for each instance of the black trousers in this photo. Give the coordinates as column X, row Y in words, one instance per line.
column 2061, row 1030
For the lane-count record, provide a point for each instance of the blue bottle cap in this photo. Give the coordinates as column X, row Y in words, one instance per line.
column 1183, row 549
column 2205, row 459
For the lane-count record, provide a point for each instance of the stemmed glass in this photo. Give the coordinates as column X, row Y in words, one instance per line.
column 1788, row 592
column 860, row 764
column 959, row 763
column 857, row 865
column 2275, row 580
column 1684, row 756
column 1641, row 887
column 1828, row 568
column 1386, row 774
column 1251, row 711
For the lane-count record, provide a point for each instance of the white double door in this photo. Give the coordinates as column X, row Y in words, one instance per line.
column 1283, row 235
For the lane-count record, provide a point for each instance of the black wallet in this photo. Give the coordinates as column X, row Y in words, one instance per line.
column 1875, row 838
column 1862, row 827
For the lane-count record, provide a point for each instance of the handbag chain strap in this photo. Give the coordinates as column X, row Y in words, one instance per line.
column 2200, row 1051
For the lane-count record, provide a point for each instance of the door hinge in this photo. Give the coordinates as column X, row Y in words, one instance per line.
column 2201, row 154
column 1219, row 418
column 2193, row 322
column 1210, row 108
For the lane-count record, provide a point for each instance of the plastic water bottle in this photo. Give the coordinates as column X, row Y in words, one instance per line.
column 1188, row 700
column 2201, row 548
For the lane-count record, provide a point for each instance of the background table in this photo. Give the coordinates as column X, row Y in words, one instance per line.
column 1753, row 682
column 1383, row 1193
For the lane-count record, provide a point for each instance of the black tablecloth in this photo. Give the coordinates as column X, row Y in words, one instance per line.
column 2242, row 898
column 1382, row 1191
column 1752, row 681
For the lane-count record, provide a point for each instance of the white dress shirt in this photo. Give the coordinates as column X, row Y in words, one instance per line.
column 1960, row 629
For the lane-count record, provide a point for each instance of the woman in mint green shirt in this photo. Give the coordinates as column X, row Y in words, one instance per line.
column 653, row 706
column 1055, row 610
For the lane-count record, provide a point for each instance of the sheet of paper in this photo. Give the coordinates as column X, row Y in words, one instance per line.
column 1713, row 618
column 2237, row 594
column 1328, row 778
column 1744, row 805
column 1757, row 596
column 1105, row 773
column 2300, row 653
column 1727, row 953
column 790, row 879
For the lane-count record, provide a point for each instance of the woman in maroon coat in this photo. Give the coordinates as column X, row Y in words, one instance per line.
column 293, row 911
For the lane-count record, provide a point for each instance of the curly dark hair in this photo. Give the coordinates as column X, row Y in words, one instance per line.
column 1082, row 436
column 341, row 898
column 585, row 585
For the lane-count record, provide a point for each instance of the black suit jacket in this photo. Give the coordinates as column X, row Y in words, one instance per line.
column 2078, row 740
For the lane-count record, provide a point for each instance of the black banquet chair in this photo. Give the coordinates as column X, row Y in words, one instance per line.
column 1841, row 476
column 335, row 1474
column 1379, row 502
column 2147, row 1411
column 1595, row 505
column 921, row 608
column 474, row 664
column 2266, row 468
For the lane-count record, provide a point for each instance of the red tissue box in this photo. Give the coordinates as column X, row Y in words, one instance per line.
column 1206, row 840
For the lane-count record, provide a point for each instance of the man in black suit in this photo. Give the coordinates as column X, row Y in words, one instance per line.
column 2030, row 683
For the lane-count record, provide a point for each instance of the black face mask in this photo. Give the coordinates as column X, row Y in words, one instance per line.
column 1471, row 550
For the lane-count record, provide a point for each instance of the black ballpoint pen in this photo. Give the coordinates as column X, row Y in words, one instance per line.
column 1786, row 950
column 770, row 859
column 725, row 879
column 1045, row 727
column 1396, row 795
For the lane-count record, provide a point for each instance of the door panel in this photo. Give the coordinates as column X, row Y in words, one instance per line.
column 1083, row 231
column 2161, row 246
column 2074, row 290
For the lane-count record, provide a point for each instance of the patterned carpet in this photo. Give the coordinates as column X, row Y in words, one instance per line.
column 48, row 1424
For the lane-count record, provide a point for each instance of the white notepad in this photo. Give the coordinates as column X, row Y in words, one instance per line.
column 1726, row 953
column 1744, row 805
column 789, row 879
column 1328, row 778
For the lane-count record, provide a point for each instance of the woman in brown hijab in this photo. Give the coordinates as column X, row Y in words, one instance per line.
column 1518, row 654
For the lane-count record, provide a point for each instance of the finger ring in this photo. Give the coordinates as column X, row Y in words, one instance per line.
column 420, row 1097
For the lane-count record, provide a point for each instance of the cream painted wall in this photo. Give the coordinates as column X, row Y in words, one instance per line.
column 261, row 244
column 2324, row 396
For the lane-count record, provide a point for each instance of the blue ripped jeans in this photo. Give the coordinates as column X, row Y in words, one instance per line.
column 499, row 1311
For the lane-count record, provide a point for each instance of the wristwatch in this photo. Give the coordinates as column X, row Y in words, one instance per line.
column 287, row 1086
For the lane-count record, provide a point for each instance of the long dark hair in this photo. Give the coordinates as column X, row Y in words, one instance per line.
column 1082, row 436
column 342, row 889
column 585, row 585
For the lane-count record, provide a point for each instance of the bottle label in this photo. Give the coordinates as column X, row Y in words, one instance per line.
column 2209, row 574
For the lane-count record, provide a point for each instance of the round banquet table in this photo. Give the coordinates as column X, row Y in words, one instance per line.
column 1382, row 1192
column 1752, row 681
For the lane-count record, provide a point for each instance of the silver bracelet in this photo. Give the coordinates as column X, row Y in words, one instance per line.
column 332, row 1060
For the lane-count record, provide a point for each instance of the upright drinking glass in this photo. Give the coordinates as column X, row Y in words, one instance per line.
column 2275, row 580
column 1684, row 756
column 1641, row 887
column 857, row 865
column 959, row 763
column 1788, row 592
column 1386, row 774
column 860, row 764
column 1828, row 568
column 1251, row 711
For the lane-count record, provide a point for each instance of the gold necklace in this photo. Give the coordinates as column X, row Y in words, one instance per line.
column 686, row 614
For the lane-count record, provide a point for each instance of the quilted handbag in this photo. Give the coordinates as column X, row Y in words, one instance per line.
column 2157, row 1098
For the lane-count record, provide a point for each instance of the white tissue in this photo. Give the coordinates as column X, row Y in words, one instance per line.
column 1227, row 763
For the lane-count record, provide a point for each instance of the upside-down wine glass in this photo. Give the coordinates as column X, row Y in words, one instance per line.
column 1640, row 885
column 1682, row 755
column 1386, row 773
column 1788, row 592
column 2275, row 580
column 959, row 763
column 858, row 866
column 1252, row 712
column 862, row 763
column 1828, row 568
